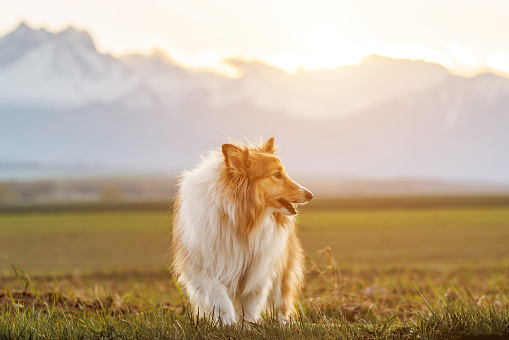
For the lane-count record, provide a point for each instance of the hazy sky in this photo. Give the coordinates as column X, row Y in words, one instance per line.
column 467, row 36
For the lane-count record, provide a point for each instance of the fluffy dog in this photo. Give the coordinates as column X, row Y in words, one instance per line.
column 234, row 245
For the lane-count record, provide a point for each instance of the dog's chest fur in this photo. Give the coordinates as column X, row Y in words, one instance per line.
column 241, row 262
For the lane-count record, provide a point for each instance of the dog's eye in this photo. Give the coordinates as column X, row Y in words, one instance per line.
column 278, row 175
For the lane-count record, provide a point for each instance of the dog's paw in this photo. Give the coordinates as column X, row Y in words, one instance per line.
column 227, row 319
column 248, row 318
column 283, row 319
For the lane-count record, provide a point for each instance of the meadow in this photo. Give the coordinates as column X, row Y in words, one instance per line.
column 409, row 267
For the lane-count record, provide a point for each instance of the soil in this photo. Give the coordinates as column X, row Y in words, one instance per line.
column 46, row 301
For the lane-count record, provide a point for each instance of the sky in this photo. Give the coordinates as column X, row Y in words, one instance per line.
column 468, row 37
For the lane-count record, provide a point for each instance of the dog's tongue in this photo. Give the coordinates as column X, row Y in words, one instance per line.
column 290, row 207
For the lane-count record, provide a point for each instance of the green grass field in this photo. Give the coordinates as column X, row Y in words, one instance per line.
column 68, row 242
column 86, row 268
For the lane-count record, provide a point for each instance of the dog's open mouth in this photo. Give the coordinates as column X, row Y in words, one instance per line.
column 290, row 207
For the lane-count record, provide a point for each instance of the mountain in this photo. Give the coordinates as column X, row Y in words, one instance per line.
column 64, row 103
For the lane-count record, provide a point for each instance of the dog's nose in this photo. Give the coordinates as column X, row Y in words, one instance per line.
column 309, row 195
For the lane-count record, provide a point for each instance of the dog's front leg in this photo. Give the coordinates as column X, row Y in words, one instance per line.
column 211, row 298
column 275, row 303
column 253, row 302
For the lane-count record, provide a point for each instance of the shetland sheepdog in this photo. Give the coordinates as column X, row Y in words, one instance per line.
column 235, row 250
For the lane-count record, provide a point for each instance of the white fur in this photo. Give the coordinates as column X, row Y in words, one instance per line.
column 223, row 277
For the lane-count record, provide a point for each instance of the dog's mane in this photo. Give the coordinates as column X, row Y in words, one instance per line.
column 239, row 191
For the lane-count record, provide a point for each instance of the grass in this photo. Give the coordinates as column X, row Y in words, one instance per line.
column 320, row 203
column 68, row 242
column 363, row 305
column 454, row 322
column 416, row 238
column 418, row 272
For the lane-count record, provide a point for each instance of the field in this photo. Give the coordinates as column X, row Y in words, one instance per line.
column 377, row 268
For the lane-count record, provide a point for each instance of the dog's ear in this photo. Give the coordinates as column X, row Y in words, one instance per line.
column 269, row 146
column 234, row 157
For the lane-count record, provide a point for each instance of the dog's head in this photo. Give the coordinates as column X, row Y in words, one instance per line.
column 261, row 178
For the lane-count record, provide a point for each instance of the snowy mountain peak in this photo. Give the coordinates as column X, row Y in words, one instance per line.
column 23, row 30
column 16, row 44
column 73, row 36
column 58, row 70
column 23, row 39
column 63, row 102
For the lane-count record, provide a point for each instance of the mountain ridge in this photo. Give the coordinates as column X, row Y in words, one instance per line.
column 63, row 102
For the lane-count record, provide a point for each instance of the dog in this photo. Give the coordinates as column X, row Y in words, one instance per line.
column 234, row 244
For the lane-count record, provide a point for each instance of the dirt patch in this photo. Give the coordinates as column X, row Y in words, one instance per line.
column 50, row 301
column 327, row 292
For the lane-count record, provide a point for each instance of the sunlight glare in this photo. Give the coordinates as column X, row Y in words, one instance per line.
column 207, row 60
column 412, row 52
column 322, row 40
column 498, row 60
column 462, row 55
column 457, row 58
column 289, row 62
